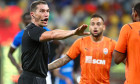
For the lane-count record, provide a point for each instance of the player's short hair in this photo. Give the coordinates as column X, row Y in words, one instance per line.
column 24, row 16
column 97, row 16
column 137, row 8
column 34, row 4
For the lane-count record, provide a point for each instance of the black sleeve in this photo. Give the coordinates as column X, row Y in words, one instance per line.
column 35, row 33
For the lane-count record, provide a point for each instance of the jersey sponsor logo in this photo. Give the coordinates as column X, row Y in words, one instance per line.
column 98, row 61
column 105, row 51
column 88, row 59
column 94, row 61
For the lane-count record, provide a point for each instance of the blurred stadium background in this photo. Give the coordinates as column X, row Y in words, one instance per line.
column 67, row 15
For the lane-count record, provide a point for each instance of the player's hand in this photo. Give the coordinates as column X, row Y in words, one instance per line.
column 68, row 81
column 80, row 30
column 20, row 70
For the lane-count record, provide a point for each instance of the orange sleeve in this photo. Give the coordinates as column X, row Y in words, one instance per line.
column 74, row 50
column 122, row 40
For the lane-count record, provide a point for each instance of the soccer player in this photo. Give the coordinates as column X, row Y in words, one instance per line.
column 128, row 47
column 95, row 54
column 26, row 19
column 35, row 44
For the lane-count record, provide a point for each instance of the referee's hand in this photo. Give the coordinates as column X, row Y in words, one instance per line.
column 80, row 30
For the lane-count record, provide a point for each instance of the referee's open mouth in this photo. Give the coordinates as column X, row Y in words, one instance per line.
column 45, row 20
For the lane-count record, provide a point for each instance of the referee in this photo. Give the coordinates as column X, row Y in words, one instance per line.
column 35, row 47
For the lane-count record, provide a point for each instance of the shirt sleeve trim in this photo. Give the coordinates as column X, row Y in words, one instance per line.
column 130, row 26
column 119, row 52
column 69, row 56
column 13, row 46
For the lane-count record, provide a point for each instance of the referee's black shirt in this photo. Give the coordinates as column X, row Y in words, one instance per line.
column 34, row 53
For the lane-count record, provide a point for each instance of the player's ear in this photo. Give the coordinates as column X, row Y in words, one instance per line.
column 135, row 14
column 104, row 27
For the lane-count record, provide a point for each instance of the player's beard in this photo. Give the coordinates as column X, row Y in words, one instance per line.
column 134, row 20
column 97, row 35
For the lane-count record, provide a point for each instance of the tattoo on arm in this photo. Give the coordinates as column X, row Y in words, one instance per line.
column 59, row 62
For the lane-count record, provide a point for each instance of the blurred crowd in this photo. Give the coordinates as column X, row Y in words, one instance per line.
column 69, row 14
column 66, row 14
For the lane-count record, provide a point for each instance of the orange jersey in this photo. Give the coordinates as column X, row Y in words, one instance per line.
column 95, row 59
column 129, row 42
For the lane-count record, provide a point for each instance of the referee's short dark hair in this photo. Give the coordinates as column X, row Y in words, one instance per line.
column 98, row 16
column 34, row 4
column 137, row 8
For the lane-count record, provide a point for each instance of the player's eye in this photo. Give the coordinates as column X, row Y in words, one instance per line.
column 93, row 24
column 98, row 23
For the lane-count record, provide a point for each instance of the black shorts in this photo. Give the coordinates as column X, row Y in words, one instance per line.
column 30, row 78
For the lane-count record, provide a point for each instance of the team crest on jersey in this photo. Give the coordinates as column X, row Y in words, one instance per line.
column 105, row 51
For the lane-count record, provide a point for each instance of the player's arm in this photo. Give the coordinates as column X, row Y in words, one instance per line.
column 60, row 49
column 120, row 51
column 57, row 73
column 10, row 55
column 59, row 62
column 62, row 34
column 124, row 61
column 119, row 57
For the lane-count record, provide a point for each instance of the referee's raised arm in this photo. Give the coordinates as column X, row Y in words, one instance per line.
column 62, row 34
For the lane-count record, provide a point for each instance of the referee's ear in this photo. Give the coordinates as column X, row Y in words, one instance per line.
column 32, row 15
